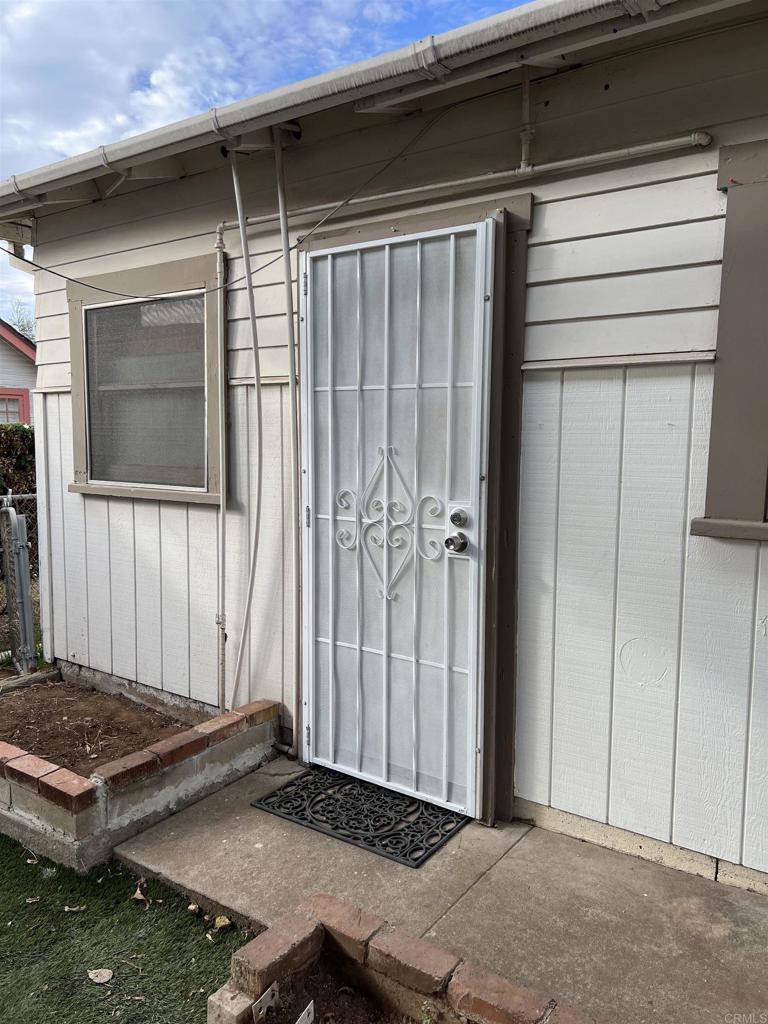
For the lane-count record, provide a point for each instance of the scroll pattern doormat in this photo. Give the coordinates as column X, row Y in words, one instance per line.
column 402, row 828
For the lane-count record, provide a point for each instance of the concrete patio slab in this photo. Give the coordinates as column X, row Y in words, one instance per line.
column 620, row 938
column 260, row 867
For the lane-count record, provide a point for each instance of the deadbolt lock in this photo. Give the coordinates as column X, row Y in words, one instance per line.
column 459, row 517
column 456, row 542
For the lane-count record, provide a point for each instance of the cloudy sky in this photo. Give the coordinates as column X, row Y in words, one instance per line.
column 81, row 73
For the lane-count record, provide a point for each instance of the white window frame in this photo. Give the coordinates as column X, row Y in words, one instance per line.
column 190, row 277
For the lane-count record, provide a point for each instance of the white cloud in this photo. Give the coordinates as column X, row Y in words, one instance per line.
column 83, row 73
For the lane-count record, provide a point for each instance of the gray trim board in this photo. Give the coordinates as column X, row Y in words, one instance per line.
column 737, row 481
column 179, row 275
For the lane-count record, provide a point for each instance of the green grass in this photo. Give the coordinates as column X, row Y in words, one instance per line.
column 164, row 965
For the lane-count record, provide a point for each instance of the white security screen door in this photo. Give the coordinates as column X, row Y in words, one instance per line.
column 394, row 409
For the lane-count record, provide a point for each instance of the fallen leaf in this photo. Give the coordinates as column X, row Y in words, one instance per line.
column 75, row 910
column 193, row 908
column 139, row 895
column 33, row 899
column 101, row 977
column 221, row 923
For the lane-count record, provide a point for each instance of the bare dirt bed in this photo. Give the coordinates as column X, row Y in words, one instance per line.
column 335, row 1001
column 78, row 728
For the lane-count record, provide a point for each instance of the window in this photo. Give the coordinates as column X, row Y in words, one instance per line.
column 145, row 372
column 145, row 384
column 14, row 405
column 9, row 410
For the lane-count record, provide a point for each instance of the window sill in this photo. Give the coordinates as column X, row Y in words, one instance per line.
column 730, row 529
column 150, row 493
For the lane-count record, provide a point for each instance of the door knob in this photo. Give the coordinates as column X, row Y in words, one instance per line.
column 456, row 542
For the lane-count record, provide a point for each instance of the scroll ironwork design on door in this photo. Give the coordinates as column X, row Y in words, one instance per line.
column 395, row 523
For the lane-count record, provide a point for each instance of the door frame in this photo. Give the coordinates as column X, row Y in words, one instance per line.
column 494, row 718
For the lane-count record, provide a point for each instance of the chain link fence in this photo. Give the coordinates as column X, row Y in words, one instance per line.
column 24, row 505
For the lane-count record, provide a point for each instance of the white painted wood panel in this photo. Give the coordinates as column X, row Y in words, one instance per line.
column 684, row 331
column 239, row 535
column 96, row 526
column 670, row 718
column 756, row 798
column 716, row 665
column 58, row 558
column 678, row 288
column 652, row 536
column 267, row 629
column 42, row 464
column 174, row 576
column 592, row 428
column 149, row 609
column 75, row 562
column 537, row 580
column 676, row 245
column 203, row 574
column 122, row 576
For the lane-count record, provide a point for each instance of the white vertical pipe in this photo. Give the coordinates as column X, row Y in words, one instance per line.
column 221, row 611
column 294, row 438
column 259, row 431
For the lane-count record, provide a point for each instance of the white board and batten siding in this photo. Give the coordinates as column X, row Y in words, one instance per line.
column 643, row 656
column 133, row 582
column 642, row 687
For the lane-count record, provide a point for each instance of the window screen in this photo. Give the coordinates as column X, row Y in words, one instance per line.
column 145, row 367
column 9, row 410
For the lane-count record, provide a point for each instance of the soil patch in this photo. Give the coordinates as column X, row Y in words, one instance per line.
column 336, row 1002
column 79, row 728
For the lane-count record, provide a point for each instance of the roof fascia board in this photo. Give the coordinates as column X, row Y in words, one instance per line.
column 521, row 28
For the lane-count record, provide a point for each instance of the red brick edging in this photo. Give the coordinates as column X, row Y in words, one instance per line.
column 466, row 991
column 75, row 793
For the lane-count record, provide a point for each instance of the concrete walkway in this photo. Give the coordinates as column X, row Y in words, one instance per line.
column 620, row 938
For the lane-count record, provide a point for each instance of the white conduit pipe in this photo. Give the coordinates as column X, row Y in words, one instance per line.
column 221, row 611
column 695, row 140
column 259, row 431
column 294, row 445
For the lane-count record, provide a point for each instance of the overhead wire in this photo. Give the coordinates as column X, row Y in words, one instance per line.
column 299, row 241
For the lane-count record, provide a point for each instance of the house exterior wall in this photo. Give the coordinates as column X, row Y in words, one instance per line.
column 16, row 371
column 642, row 686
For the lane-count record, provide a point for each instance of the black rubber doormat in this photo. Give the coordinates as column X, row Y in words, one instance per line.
column 402, row 828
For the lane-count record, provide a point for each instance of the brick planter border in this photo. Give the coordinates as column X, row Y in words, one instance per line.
column 408, row 975
column 79, row 821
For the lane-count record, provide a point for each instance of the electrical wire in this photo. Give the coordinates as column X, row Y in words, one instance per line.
column 299, row 241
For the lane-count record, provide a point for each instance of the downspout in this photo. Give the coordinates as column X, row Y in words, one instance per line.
column 294, row 437
column 221, row 611
column 241, row 220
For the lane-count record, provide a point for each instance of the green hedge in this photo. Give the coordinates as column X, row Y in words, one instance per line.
column 17, row 458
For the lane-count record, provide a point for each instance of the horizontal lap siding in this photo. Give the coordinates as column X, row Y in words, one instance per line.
column 629, row 272
column 133, row 582
column 641, row 650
